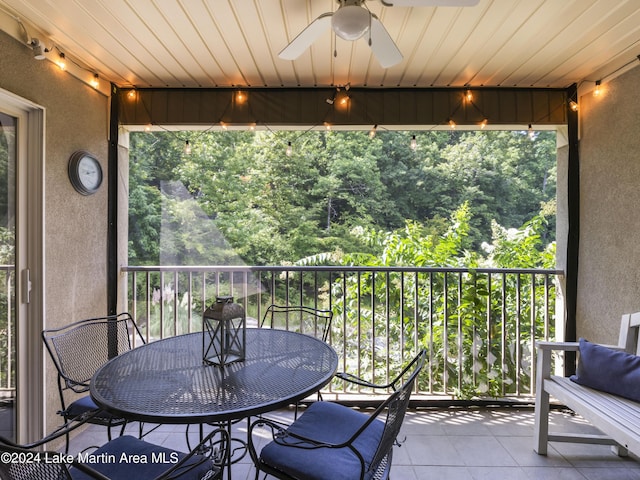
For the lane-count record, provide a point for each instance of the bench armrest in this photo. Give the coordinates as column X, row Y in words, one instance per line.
column 564, row 346
column 568, row 346
column 544, row 355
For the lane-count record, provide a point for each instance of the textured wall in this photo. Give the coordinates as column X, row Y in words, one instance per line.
column 609, row 268
column 75, row 226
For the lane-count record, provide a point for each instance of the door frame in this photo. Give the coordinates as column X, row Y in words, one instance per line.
column 29, row 264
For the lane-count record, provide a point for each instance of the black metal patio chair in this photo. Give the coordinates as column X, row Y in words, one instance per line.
column 308, row 320
column 334, row 442
column 78, row 350
column 123, row 458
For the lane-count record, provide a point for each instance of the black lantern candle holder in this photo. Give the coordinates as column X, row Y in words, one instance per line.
column 223, row 332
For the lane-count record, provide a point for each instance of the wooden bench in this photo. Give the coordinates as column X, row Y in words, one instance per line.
column 616, row 417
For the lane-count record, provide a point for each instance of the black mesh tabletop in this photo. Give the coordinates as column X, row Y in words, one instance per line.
column 167, row 382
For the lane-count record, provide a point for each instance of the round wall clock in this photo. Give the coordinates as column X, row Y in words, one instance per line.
column 85, row 172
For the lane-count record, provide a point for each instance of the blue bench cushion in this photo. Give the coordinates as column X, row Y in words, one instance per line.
column 609, row 370
column 129, row 458
column 331, row 423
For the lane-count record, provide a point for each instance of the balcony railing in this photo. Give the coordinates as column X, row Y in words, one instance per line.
column 479, row 326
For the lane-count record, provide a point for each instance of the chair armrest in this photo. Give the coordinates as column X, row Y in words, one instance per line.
column 360, row 381
column 418, row 359
column 279, row 432
column 57, row 433
column 207, row 444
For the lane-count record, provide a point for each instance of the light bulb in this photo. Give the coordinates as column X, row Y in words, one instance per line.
column 62, row 63
column 95, row 83
column 573, row 105
column 452, row 124
column 289, row 149
column 597, row 90
column 484, row 123
column 372, row 132
column 469, row 96
column 187, row 148
column 241, row 97
column 531, row 132
column 414, row 143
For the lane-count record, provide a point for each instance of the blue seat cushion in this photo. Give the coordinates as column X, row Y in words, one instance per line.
column 129, row 458
column 330, row 423
column 86, row 404
column 609, row 370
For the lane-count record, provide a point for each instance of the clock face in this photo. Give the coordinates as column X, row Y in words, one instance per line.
column 85, row 172
column 89, row 173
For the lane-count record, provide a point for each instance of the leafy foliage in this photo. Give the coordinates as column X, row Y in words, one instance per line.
column 344, row 199
column 478, row 325
column 254, row 204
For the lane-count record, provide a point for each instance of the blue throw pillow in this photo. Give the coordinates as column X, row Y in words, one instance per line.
column 609, row 370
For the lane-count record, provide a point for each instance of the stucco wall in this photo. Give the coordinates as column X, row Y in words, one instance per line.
column 609, row 263
column 75, row 226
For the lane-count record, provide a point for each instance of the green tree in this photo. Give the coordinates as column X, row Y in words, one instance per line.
column 256, row 204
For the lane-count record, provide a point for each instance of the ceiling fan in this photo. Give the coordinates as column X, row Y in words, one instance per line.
column 353, row 20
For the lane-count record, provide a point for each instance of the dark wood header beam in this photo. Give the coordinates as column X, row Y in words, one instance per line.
column 288, row 107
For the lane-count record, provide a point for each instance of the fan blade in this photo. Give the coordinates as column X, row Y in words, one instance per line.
column 382, row 45
column 306, row 37
column 429, row 3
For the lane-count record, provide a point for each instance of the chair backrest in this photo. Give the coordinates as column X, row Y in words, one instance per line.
column 308, row 320
column 395, row 406
column 23, row 464
column 78, row 350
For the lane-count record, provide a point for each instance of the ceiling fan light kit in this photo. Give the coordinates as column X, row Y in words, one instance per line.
column 352, row 21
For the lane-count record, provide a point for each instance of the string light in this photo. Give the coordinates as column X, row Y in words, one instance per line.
column 187, row 148
column 597, row 90
column 531, row 132
column 483, row 123
column 131, row 94
column 469, row 96
column 414, row 143
column 95, row 83
column 372, row 132
column 452, row 124
column 62, row 63
column 241, row 97
column 573, row 105
column 289, row 149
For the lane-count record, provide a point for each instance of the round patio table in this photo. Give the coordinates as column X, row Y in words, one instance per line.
column 167, row 381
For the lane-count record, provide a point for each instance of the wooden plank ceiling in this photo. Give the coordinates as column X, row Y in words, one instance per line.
column 235, row 43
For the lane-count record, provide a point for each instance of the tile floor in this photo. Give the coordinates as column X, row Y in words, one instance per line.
column 460, row 444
